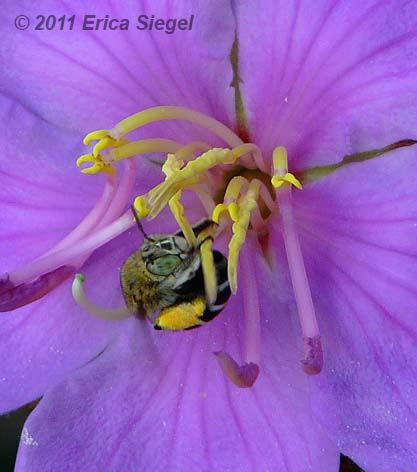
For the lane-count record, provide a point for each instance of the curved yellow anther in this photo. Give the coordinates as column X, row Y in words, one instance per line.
column 192, row 173
column 288, row 178
column 95, row 136
column 229, row 204
column 231, row 208
column 98, row 165
column 85, row 158
column 141, row 207
column 281, row 174
column 107, row 143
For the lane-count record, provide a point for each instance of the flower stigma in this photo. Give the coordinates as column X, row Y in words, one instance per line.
column 247, row 199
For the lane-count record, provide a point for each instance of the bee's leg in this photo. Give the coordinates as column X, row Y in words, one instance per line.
column 182, row 316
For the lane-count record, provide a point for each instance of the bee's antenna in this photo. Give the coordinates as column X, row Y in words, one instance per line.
column 138, row 222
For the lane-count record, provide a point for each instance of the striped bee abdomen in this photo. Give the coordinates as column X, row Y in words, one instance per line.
column 223, row 289
column 194, row 287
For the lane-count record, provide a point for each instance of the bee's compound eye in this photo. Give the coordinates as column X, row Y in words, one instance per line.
column 166, row 245
column 164, row 265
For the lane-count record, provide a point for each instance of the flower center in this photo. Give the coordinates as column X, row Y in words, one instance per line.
column 239, row 190
column 233, row 182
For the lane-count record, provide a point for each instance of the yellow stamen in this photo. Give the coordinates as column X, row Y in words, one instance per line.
column 172, row 165
column 141, row 208
column 246, row 204
column 191, row 174
column 98, row 165
column 234, row 188
column 255, row 152
column 174, row 113
column 123, row 150
column 281, row 174
column 178, row 211
column 108, row 142
column 186, row 152
column 144, row 146
column 288, row 178
column 229, row 204
column 112, row 138
column 221, row 208
column 95, row 135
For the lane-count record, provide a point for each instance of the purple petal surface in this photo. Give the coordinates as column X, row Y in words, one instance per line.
column 43, row 196
column 42, row 193
column 100, row 77
column 81, row 81
column 358, row 229
column 159, row 401
column 328, row 78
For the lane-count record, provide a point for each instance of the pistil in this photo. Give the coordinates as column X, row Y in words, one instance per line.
column 80, row 297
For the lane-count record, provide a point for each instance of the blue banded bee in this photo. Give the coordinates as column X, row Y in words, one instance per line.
column 166, row 275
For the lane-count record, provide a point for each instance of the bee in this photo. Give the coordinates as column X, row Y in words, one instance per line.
column 164, row 280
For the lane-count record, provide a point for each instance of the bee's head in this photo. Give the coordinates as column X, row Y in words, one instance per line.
column 163, row 253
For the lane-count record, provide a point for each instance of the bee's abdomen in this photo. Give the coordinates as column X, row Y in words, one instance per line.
column 223, row 288
column 194, row 287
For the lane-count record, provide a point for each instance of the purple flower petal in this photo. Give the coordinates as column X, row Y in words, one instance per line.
column 42, row 193
column 100, row 77
column 358, row 228
column 328, row 78
column 54, row 335
column 43, row 197
column 159, row 401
